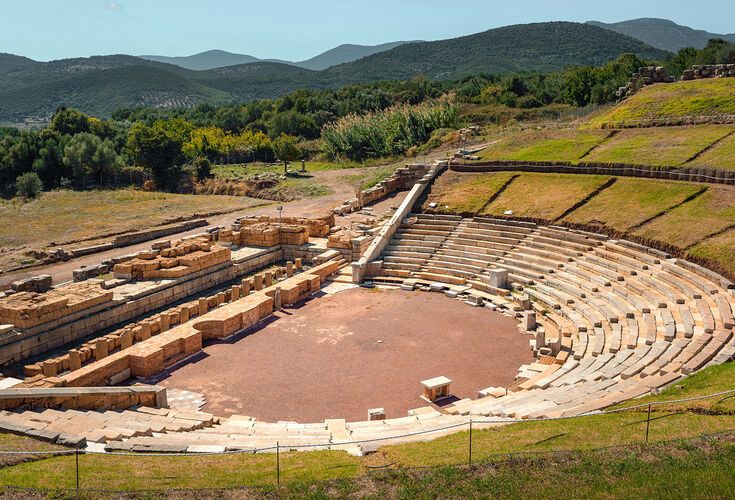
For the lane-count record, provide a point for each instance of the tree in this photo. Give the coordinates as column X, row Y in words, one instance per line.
column 28, row 185
column 158, row 148
column 202, row 168
column 17, row 154
column 87, row 154
column 286, row 149
column 69, row 121
column 209, row 142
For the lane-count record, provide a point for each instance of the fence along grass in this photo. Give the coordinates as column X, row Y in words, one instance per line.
column 389, row 132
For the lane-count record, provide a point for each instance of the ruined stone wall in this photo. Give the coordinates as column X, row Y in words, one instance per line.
column 318, row 227
column 154, row 354
column 18, row 345
column 91, row 398
column 266, row 234
column 182, row 258
column 402, row 179
column 709, row 71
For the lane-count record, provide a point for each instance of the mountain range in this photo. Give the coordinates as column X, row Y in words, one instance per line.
column 662, row 33
column 212, row 59
column 30, row 90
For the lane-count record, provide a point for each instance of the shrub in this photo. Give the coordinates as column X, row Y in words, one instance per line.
column 202, row 168
column 28, row 185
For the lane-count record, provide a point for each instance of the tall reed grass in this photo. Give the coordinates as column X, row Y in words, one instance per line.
column 389, row 132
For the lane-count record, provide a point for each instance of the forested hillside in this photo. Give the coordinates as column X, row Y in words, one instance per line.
column 31, row 91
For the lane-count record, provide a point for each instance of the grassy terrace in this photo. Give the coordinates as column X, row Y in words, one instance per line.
column 722, row 155
column 544, row 196
column 490, row 446
column 465, row 193
column 629, row 202
column 664, row 146
column 690, row 223
column 692, row 145
column 544, row 145
column 711, row 97
column 719, row 248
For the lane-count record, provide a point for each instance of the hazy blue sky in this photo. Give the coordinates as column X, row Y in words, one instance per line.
column 299, row 29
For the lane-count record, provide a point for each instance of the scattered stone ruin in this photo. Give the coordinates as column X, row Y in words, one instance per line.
column 657, row 74
column 647, row 75
column 709, row 71
column 29, row 309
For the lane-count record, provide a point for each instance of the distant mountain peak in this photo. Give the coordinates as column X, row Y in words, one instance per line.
column 216, row 58
column 662, row 33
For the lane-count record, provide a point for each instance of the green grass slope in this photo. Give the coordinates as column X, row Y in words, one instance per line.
column 661, row 147
column 694, row 221
column 710, row 98
column 544, row 145
column 629, row 202
column 544, row 196
column 721, row 155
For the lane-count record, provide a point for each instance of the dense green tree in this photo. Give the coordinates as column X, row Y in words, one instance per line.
column 87, row 154
column 158, row 148
column 69, row 121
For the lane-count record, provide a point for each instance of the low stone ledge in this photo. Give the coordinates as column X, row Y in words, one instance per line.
column 86, row 398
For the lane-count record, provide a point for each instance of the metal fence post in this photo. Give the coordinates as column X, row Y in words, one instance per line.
column 648, row 422
column 470, row 454
column 278, row 463
column 76, row 459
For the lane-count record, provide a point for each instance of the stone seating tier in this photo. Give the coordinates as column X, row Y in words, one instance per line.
column 626, row 318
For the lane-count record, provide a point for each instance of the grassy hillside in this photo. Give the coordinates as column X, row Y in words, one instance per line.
column 721, row 155
column 696, row 218
column 34, row 89
column 692, row 222
column 709, row 98
column 630, row 202
column 475, row 191
column 692, row 145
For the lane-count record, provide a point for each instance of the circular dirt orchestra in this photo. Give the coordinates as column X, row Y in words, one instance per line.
column 338, row 355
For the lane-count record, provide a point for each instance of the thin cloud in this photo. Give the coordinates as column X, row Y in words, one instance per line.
column 114, row 6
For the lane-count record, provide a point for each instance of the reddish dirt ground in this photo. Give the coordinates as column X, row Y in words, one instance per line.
column 323, row 359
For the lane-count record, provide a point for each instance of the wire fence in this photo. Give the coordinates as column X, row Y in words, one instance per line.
column 269, row 466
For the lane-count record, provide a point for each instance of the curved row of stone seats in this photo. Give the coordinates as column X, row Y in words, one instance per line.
column 103, row 426
column 243, row 433
column 621, row 319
